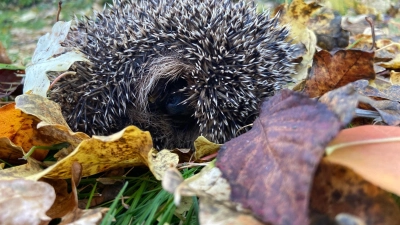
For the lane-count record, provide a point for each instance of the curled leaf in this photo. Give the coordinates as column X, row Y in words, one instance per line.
column 273, row 163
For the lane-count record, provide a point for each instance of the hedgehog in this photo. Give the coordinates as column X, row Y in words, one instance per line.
column 176, row 68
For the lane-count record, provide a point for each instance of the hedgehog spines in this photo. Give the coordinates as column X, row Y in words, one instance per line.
column 157, row 64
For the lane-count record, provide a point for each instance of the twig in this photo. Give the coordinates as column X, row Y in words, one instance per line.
column 248, row 125
column 209, row 157
column 387, row 46
column 371, row 23
column 6, row 103
column 59, row 11
column 189, row 165
column 61, row 76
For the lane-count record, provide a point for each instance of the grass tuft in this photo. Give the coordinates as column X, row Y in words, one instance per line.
column 142, row 200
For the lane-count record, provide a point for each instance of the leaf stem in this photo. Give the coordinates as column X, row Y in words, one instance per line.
column 330, row 149
column 53, row 147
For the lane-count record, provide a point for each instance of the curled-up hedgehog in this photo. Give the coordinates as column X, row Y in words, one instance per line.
column 177, row 68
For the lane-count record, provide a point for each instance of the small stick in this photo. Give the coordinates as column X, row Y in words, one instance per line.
column 371, row 23
column 189, row 165
column 59, row 11
column 61, row 76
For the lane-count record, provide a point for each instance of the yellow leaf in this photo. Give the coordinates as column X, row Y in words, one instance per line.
column 159, row 162
column 204, row 147
column 296, row 16
column 31, row 168
column 392, row 64
column 394, row 77
column 129, row 147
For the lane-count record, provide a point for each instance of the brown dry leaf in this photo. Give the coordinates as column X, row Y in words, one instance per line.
column 204, row 147
column 76, row 215
column 20, row 129
column 392, row 93
column 9, row 152
column 337, row 189
column 343, row 101
column 296, row 16
column 185, row 154
column 159, row 162
column 129, row 147
column 388, row 110
column 371, row 151
column 64, row 202
column 382, row 56
column 69, row 215
column 25, row 202
column 333, row 71
column 273, row 163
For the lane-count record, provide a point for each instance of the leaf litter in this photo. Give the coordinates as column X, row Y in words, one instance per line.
column 299, row 164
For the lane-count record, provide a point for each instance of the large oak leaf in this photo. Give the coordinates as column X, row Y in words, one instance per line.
column 270, row 168
column 331, row 71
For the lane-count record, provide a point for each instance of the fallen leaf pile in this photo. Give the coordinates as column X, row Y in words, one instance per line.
column 326, row 152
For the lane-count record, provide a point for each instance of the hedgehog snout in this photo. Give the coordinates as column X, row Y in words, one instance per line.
column 175, row 105
column 169, row 99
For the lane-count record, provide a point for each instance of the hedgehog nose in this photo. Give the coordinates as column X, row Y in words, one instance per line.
column 173, row 106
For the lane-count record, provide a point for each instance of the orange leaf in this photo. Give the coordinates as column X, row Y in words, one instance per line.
column 20, row 129
column 371, row 151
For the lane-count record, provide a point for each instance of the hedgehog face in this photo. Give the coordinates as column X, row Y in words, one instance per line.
column 179, row 69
